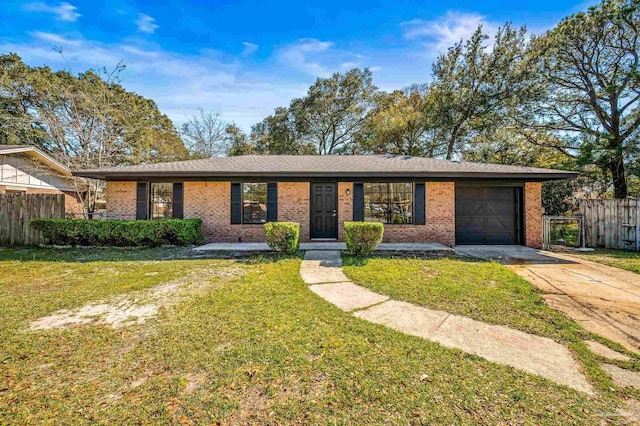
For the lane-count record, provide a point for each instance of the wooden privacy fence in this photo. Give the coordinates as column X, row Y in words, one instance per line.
column 611, row 223
column 16, row 210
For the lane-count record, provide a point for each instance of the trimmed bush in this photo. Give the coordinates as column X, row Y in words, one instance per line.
column 283, row 236
column 362, row 237
column 121, row 233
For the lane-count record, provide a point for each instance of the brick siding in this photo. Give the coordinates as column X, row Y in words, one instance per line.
column 121, row 200
column 533, row 214
column 439, row 210
column 293, row 205
column 211, row 202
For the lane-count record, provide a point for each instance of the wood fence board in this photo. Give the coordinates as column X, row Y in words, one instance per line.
column 611, row 223
column 16, row 210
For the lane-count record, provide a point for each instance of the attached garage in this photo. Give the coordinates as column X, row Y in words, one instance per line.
column 417, row 199
column 487, row 214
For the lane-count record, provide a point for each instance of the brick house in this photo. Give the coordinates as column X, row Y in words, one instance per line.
column 418, row 199
column 25, row 169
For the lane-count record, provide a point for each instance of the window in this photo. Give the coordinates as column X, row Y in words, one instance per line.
column 388, row 202
column 254, row 203
column 161, row 200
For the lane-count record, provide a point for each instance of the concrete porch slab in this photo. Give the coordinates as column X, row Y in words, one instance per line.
column 234, row 247
column 333, row 245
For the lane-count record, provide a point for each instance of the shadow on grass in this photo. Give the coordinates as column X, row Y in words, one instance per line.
column 128, row 254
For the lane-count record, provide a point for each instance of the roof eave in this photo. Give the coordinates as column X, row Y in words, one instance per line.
column 132, row 175
column 40, row 155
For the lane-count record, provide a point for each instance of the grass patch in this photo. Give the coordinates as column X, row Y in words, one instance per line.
column 485, row 291
column 565, row 232
column 622, row 259
column 255, row 348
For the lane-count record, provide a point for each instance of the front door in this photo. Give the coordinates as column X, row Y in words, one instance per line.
column 324, row 210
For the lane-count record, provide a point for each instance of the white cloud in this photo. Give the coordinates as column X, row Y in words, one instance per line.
column 249, row 48
column 146, row 23
column 178, row 83
column 64, row 11
column 56, row 39
column 348, row 65
column 299, row 56
column 445, row 31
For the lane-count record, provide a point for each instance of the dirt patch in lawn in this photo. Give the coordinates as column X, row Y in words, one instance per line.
column 139, row 306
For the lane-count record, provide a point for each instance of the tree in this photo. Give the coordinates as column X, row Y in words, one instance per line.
column 334, row 110
column 237, row 141
column 204, row 135
column 475, row 84
column 86, row 121
column 278, row 134
column 400, row 123
column 16, row 97
column 588, row 85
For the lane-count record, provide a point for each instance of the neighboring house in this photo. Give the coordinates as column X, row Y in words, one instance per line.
column 28, row 170
column 418, row 199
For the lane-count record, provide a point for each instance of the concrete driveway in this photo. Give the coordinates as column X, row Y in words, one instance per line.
column 603, row 299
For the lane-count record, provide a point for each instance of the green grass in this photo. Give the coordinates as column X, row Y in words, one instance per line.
column 486, row 291
column 617, row 258
column 256, row 347
column 566, row 230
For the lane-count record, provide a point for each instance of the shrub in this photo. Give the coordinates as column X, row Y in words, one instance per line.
column 283, row 236
column 362, row 237
column 122, row 233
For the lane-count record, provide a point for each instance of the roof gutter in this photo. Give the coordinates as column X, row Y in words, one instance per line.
column 130, row 175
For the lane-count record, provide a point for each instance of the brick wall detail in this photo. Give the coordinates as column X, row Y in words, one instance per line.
column 439, row 210
column 293, row 205
column 533, row 214
column 121, row 200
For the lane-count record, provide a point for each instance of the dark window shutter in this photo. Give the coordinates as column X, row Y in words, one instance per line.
column 418, row 204
column 236, row 203
column 272, row 202
column 178, row 200
column 142, row 201
column 358, row 202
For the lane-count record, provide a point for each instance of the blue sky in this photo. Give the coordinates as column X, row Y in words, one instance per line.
column 244, row 58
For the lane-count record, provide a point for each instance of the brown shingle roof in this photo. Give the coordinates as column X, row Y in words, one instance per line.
column 338, row 166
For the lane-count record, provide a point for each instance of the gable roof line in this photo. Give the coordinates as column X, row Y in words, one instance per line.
column 35, row 152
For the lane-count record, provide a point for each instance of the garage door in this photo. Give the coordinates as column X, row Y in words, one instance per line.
column 488, row 215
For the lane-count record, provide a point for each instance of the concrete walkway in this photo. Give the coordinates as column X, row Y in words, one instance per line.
column 527, row 352
column 603, row 299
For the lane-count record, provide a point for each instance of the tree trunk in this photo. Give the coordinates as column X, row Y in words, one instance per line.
column 616, row 167
column 452, row 141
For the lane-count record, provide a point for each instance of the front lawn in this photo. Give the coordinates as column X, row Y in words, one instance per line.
column 622, row 259
column 486, row 291
column 254, row 345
